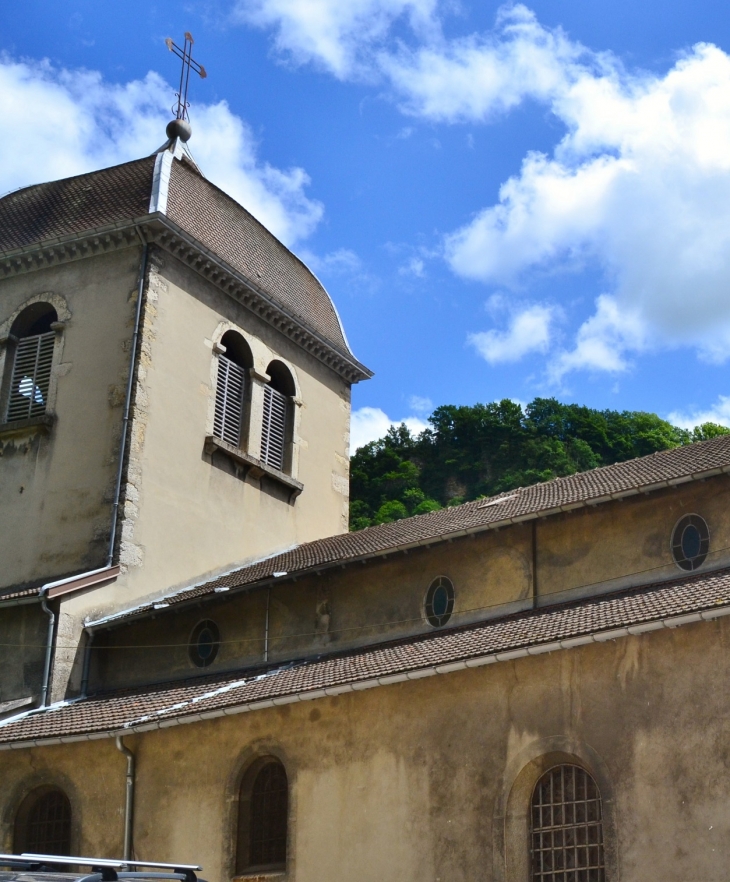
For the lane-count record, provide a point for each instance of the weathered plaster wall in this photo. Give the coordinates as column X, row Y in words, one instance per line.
column 628, row 543
column 56, row 490
column 23, row 634
column 183, row 516
column 590, row 551
column 429, row 779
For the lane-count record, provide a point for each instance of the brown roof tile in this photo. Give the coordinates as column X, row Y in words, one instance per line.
column 58, row 209
column 227, row 229
column 641, row 609
column 593, row 487
column 121, row 194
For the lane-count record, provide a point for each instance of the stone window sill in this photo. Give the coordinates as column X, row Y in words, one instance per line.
column 40, row 425
column 262, row 876
column 256, row 469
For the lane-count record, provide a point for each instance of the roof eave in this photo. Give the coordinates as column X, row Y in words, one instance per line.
column 159, row 229
column 265, row 582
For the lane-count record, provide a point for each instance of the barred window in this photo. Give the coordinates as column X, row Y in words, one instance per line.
column 263, row 817
column 269, row 804
column 43, row 823
column 567, row 827
column 30, row 360
column 231, row 388
column 277, row 416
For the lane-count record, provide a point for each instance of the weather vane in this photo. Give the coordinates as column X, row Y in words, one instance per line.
column 181, row 124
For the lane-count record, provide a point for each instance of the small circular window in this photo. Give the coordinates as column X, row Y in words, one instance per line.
column 439, row 601
column 204, row 643
column 690, row 542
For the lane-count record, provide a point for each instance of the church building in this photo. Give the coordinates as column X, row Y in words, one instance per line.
column 199, row 663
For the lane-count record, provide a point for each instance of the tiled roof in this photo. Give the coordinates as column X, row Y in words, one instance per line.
column 45, row 212
column 691, row 598
column 227, row 229
column 18, row 593
column 561, row 494
column 120, row 195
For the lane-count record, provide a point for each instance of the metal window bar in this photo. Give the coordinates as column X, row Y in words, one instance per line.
column 31, row 377
column 229, row 401
column 273, row 429
column 269, row 809
column 567, row 828
column 48, row 828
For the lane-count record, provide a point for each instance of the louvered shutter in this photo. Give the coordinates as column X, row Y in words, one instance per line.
column 229, row 401
column 273, row 430
column 31, row 377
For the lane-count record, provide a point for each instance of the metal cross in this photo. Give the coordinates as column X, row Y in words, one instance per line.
column 188, row 63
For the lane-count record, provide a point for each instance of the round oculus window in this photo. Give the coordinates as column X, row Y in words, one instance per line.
column 690, row 542
column 204, row 643
column 439, row 601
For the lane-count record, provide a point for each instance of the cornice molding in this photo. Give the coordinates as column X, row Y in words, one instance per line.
column 159, row 230
column 175, row 241
column 53, row 253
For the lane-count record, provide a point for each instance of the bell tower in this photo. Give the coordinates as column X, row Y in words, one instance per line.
column 174, row 392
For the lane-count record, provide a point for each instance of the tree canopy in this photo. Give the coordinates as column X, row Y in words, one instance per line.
column 472, row 451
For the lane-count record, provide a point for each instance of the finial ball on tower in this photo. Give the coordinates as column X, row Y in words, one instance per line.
column 179, row 128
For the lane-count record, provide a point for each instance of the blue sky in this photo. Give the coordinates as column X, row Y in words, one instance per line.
column 503, row 200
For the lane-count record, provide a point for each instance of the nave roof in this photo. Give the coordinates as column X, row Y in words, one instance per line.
column 672, row 604
column 621, row 480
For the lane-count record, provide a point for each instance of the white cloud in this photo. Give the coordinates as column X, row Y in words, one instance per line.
column 419, row 404
column 58, row 123
column 339, row 35
column 413, row 267
column 717, row 413
column 602, row 342
column 474, row 77
column 639, row 187
column 529, row 331
column 370, row 423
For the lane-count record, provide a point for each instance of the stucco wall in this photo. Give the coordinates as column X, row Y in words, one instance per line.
column 430, row 779
column 56, row 490
column 591, row 551
column 23, row 635
column 183, row 516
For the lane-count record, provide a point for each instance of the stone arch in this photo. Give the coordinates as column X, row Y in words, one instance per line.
column 42, row 779
column 246, row 765
column 511, row 822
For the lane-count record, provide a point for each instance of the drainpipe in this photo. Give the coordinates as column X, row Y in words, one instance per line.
column 266, row 626
column 129, row 799
column 127, row 404
column 49, row 650
column 70, row 583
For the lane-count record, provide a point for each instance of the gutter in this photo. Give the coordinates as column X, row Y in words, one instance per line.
column 338, row 563
column 478, row 661
column 56, row 589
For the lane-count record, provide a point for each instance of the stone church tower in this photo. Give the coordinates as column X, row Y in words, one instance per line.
column 174, row 399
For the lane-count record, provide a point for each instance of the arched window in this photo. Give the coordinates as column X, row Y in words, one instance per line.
column 566, row 827
column 231, row 388
column 30, row 359
column 43, row 823
column 276, row 427
column 263, row 816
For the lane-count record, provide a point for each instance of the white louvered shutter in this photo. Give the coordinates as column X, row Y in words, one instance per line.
column 31, row 377
column 273, row 430
column 229, row 401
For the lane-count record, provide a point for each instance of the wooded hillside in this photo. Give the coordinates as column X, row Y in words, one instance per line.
column 468, row 452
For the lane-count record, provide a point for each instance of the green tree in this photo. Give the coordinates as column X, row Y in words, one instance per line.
column 468, row 452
